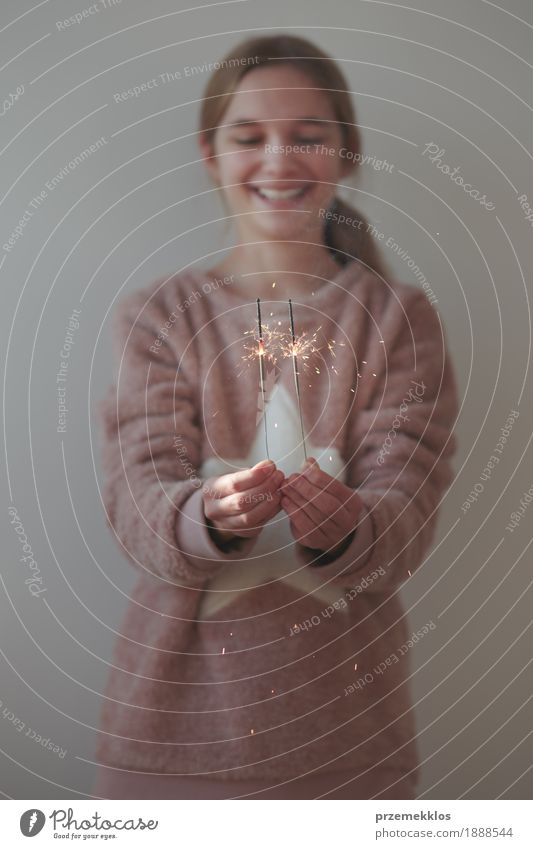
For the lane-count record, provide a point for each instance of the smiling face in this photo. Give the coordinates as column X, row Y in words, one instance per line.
column 274, row 193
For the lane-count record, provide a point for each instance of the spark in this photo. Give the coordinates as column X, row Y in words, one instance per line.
column 215, row 413
column 251, row 730
column 409, row 572
column 374, row 374
column 301, row 346
column 223, row 651
column 355, row 667
column 265, row 347
column 274, row 285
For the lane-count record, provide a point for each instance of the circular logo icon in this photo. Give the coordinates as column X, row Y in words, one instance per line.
column 31, row 822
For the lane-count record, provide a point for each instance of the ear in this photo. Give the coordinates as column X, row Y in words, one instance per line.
column 207, row 152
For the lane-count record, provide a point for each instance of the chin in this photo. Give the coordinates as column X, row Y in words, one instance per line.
column 284, row 228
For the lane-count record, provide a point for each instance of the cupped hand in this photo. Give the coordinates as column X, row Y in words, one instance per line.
column 240, row 503
column 322, row 510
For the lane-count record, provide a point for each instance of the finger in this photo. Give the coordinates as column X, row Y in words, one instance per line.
column 251, row 523
column 320, row 518
column 323, row 480
column 343, row 511
column 302, row 528
column 246, row 523
column 244, row 479
column 243, row 502
column 321, row 499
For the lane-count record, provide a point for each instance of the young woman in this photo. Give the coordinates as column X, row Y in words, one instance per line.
column 265, row 650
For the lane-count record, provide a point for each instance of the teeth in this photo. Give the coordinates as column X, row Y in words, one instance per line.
column 277, row 194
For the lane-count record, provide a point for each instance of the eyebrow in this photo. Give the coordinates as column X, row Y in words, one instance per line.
column 308, row 120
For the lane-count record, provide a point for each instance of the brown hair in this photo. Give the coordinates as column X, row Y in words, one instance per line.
column 344, row 240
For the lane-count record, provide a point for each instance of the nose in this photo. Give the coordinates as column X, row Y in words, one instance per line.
column 280, row 156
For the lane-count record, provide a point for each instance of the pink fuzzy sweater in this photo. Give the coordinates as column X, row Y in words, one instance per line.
column 269, row 660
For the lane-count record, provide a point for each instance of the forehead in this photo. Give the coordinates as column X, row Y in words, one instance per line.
column 280, row 91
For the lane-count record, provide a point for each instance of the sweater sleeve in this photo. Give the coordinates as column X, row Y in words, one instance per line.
column 401, row 447
column 152, row 443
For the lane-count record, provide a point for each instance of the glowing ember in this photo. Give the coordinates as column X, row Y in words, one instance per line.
column 266, row 347
column 302, row 347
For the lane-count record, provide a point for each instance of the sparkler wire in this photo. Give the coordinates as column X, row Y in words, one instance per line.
column 262, row 371
column 296, row 381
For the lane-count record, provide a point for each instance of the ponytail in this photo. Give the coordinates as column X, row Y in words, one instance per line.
column 347, row 235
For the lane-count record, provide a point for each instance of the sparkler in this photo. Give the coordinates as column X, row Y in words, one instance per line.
column 274, row 343
column 296, row 381
column 261, row 357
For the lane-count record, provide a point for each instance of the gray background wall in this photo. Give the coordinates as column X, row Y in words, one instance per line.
column 458, row 75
